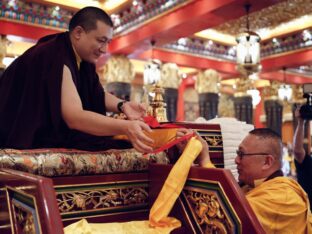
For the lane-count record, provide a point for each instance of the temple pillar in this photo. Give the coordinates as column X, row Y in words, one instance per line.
column 273, row 108
column 169, row 81
column 207, row 88
column 274, row 115
column 243, row 101
column 243, row 108
column 118, row 73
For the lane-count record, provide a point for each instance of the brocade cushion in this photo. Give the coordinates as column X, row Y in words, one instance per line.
column 62, row 162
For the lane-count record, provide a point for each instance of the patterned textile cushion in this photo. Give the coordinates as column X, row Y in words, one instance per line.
column 60, row 162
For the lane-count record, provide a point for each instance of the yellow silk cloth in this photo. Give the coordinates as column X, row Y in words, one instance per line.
column 160, row 136
column 159, row 222
column 134, row 227
column 281, row 206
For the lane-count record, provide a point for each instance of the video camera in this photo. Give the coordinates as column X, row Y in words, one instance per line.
column 306, row 109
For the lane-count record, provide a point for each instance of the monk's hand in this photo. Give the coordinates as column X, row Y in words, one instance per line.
column 180, row 133
column 134, row 110
column 134, row 131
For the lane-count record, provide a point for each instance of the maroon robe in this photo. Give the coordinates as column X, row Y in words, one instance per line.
column 30, row 99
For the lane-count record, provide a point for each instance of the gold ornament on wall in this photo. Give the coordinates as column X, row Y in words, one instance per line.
column 271, row 92
column 226, row 106
column 3, row 49
column 118, row 68
column 297, row 94
column 207, row 81
column 170, row 77
column 242, row 85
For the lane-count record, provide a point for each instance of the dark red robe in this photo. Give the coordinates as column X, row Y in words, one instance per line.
column 30, row 99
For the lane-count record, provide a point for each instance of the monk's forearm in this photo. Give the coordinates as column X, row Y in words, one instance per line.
column 97, row 124
column 111, row 102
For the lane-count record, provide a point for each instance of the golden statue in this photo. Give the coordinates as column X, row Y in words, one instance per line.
column 157, row 107
column 118, row 68
column 207, row 81
column 170, row 77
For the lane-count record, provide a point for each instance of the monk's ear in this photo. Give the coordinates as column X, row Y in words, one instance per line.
column 77, row 32
column 268, row 162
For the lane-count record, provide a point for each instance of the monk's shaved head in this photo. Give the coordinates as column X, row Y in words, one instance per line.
column 87, row 18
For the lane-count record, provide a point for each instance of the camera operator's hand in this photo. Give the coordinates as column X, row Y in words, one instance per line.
column 298, row 115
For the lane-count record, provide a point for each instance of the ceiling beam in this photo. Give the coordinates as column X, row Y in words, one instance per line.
column 187, row 60
column 287, row 60
column 25, row 30
column 182, row 22
column 288, row 78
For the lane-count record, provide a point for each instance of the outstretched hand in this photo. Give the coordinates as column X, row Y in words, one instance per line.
column 134, row 110
column 203, row 158
column 135, row 134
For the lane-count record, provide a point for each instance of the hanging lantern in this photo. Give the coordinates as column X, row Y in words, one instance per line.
column 152, row 72
column 248, row 50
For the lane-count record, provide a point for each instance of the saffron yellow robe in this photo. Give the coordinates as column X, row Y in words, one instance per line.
column 281, row 206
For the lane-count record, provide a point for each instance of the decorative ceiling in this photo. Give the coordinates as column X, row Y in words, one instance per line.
column 197, row 34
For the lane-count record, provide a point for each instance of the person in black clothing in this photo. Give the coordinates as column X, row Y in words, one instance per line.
column 51, row 96
column 303, row 161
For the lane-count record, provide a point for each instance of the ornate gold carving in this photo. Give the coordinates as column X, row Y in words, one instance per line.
column 157, row 107
column 207, row 81
column 24, row 219
column 213, row 140
column 170, row 77
column 297, row 94
column 271, row 92
column 242, row 85
column 209, row 212
column 226, row 106
column 118, row 68
column 101, row 198
column 269, row 17
column 3, row 49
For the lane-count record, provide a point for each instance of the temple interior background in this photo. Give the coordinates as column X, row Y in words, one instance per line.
column 193, row 45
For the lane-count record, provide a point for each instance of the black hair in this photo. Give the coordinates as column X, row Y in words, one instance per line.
column 275, row 141
column 87, row 18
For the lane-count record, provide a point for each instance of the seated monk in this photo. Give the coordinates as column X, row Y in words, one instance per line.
column 280, row 204
column 51, row 96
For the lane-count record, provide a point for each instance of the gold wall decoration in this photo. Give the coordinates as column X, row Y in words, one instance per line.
column 269, row 17
column 226, row 106
column 207, row 81
column 101, row 198
column 209, row 212
column 170, row 77
column 242, row 85
column 297, row 94
column 3, row 49
column 271, row 92
column 118, row 68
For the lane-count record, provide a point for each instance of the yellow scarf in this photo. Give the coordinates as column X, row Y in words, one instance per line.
column 159, row 222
